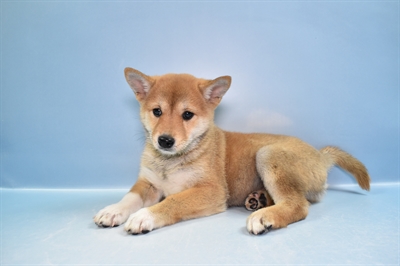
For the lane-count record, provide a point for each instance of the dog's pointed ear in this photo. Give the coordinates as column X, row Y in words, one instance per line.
column 213, row 90
column 139, row 82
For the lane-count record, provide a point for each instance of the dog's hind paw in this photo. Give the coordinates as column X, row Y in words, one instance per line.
column 256, row 200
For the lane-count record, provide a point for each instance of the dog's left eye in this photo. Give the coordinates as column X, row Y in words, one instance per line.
column 187, row 115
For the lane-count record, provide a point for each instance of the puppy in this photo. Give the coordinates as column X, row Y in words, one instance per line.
column 190, row 168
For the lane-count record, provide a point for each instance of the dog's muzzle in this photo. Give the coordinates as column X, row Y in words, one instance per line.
column 166, row 141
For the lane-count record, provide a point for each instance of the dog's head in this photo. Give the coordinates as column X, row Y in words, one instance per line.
column 176, row 109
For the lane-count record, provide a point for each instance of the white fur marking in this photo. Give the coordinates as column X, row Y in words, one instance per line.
column 174, row 182
column 116, row 214
column 207, row 93
column 142, row 220
column 255, row 223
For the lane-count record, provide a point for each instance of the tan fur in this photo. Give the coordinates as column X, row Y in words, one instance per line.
column 208, row 169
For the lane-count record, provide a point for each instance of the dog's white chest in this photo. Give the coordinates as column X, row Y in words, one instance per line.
column 171, row 182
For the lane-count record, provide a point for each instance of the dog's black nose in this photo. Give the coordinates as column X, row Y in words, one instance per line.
column 166, row 141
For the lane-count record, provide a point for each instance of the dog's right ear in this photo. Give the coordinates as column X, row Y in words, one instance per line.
column 139, row 82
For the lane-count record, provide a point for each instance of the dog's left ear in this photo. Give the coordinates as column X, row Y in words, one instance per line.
column 213, row 90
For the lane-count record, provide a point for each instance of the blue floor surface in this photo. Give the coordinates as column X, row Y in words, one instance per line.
column 54, row 227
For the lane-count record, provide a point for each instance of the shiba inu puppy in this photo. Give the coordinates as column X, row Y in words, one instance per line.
column 190, row 168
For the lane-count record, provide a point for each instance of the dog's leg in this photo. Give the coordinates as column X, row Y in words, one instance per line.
column 277, row 216
column 192, row 203
column 142, row 194
column 286, row 190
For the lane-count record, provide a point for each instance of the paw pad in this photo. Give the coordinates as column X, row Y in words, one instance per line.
column 256, row 200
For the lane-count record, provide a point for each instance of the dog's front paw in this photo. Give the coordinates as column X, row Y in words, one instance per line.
column 256, row 200
column 140, row 222
column 112, row 216
column 259, row 223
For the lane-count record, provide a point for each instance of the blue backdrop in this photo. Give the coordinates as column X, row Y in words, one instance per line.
column 327, row 72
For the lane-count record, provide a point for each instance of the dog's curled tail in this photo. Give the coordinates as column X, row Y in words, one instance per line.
column 344, row 160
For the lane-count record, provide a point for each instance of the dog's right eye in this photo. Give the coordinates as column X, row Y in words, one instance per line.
column 157, row 112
